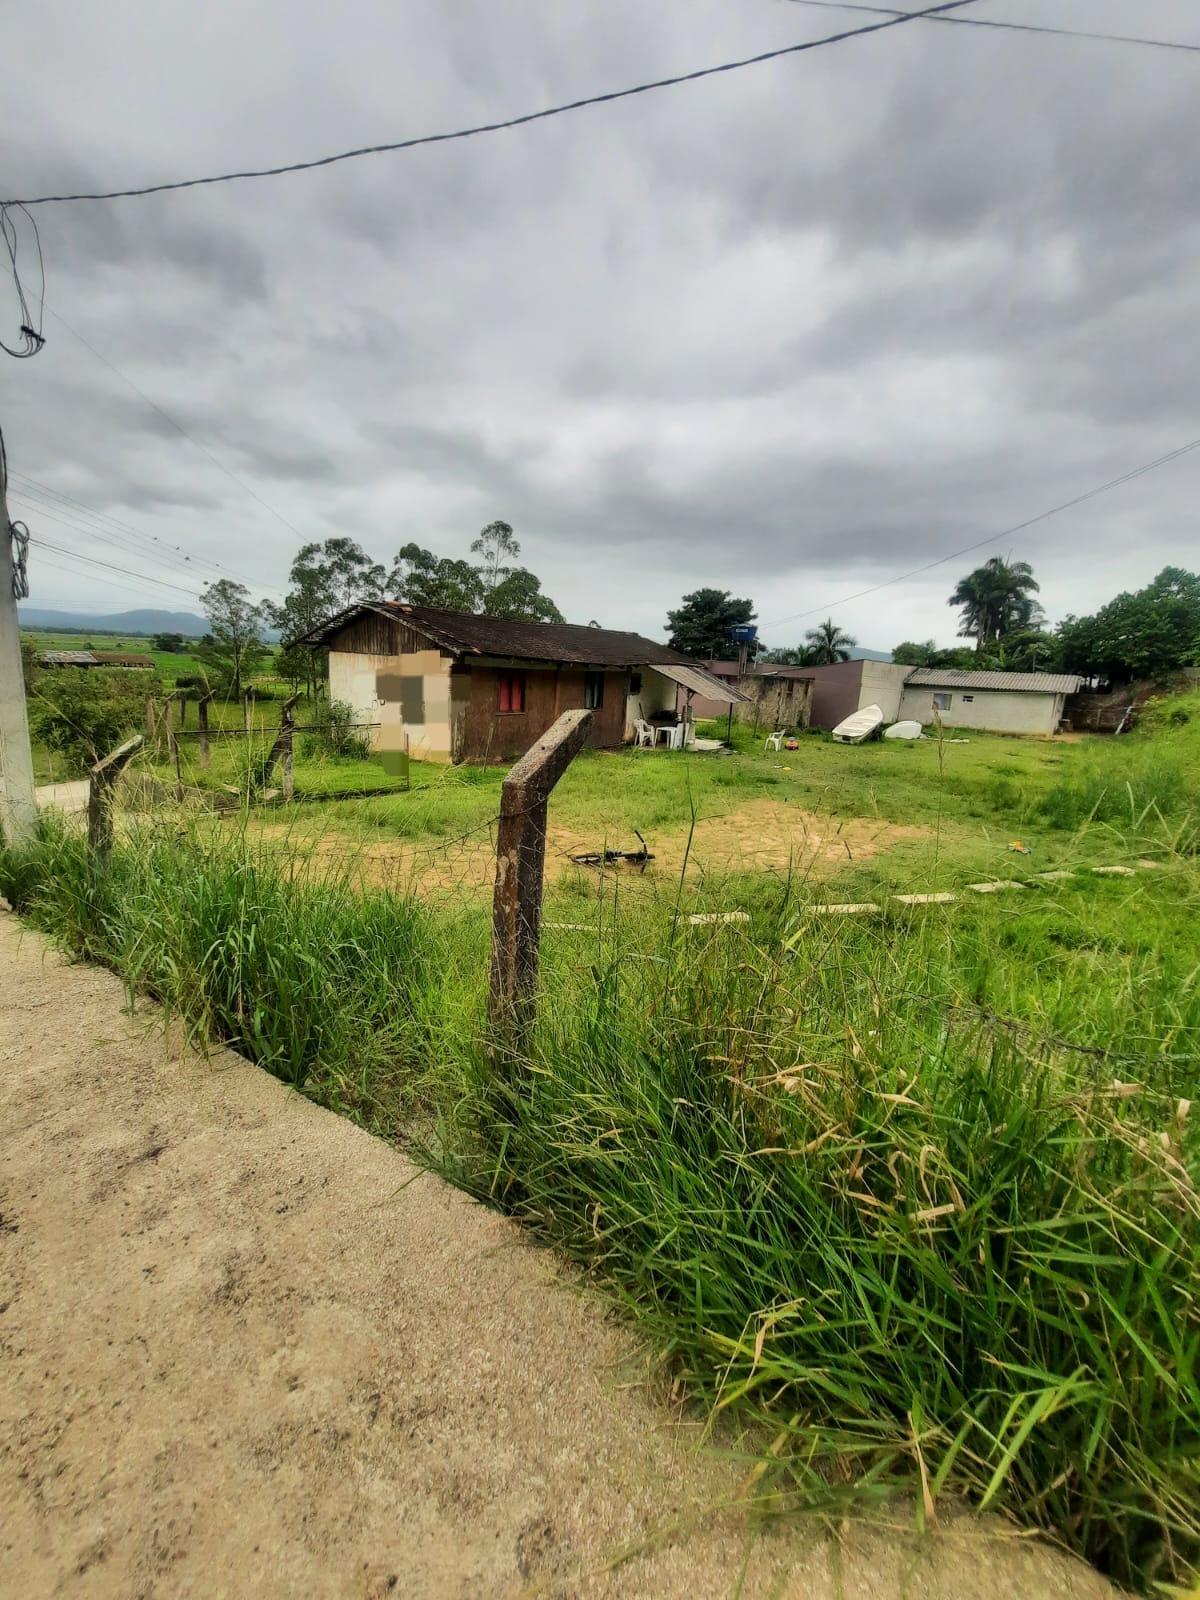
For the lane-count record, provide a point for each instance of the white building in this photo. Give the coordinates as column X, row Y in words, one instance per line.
column 995, row 702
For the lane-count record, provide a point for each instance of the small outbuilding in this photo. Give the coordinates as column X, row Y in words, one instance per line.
column 995, row 702
column 457, row 686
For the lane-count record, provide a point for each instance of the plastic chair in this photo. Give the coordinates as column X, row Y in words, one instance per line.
column 643, row 733
column 775, row 740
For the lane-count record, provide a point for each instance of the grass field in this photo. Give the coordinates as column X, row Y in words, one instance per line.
column 909, row 1199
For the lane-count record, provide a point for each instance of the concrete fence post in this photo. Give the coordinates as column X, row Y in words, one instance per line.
column 104, row 777
column 520, row 863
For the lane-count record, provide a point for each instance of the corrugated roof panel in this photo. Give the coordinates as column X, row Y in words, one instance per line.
column 469, row 633
column 698, row 681
column 1020, row 682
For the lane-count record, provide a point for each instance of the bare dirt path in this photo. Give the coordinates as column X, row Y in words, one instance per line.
column 248, row 1350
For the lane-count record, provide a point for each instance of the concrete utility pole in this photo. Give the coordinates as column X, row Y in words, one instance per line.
column 18, row 803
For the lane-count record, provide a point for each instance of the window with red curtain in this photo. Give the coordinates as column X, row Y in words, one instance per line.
column 511, row 691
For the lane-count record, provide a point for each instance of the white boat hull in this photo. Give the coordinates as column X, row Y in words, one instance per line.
column 903, row 730
column 859, row 725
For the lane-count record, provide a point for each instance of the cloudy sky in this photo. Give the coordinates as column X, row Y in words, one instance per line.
column 791, row 331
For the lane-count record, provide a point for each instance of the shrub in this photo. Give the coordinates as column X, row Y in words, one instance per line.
column 338, row 734
column 83, row 714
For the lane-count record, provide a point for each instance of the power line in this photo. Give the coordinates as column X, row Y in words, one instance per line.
column 45, row 560
column 102, row 537
column 1010, row 27
column 992, row 538
column 508, row 122
column 31, row 337
column 111, row 528
column 76, row 555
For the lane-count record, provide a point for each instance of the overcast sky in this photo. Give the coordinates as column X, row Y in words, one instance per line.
column 790, row 331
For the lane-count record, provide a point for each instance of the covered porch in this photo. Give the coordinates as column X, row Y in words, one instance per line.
column 659, row 710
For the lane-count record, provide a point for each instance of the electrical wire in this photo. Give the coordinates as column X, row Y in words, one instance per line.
column 64, row 508
column 77, row 555
column 993, row 538
column 125, row 589
column 508, row 122
column 1009, row 27
column 31, row 337
column 107, row 542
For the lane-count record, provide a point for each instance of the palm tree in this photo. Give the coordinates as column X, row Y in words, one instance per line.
column 995, row 599
column 827, row 644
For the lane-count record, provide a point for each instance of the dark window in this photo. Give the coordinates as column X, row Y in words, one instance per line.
column 941, row 700
column 593, row 691
column 511, row 691
column 968, row 697
column 635, row 683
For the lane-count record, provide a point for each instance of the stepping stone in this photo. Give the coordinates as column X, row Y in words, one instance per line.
column 995, row 888
column 1054, row 877
column 1116, row 872
column 1149, row 866
column 571, row 927
column 943, row 899
column 698, row 918
column 848, row 908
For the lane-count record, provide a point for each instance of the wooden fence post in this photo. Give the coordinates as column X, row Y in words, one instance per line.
column 202, row 706
column 283, row 748
column 104, row 776
column 520, row 861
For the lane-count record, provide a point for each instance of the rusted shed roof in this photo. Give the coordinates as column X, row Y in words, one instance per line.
column 699, row 682
column 1021, row 682
column 469, row 634
column 122, row 658
column 66, row 658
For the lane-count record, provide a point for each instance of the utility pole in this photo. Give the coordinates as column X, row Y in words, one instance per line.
column 18, row 803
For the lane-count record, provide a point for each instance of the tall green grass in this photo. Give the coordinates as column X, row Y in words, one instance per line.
column 914, row 1199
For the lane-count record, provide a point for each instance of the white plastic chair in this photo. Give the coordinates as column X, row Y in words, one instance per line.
column 643, row 733
column 775, row 741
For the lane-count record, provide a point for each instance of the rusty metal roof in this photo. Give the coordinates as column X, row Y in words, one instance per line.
column 470, row 634
column 66, row 658
column 698, row 681
column 1020, row 682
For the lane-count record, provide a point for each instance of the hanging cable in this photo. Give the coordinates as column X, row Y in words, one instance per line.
column 16, row 531
column 508, row 122
column 31, row 336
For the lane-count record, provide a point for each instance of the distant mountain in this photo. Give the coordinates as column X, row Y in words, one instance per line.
column 858, row 654
column 145, row 621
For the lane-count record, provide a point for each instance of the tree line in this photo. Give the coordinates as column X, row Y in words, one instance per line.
column 1147, row 633
column 328, row 577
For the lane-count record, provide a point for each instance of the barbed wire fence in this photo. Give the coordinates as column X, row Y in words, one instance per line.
column 224, row 772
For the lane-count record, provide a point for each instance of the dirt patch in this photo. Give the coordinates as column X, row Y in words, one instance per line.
column 246, row 1349
column 757, row 836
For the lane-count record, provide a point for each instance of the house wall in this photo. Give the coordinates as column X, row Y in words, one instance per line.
column 990, row 710
column 848, row 686
column 882, row 685
column 482, row 732
column 775, row 702
column 835, row 692
column 395, row 678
